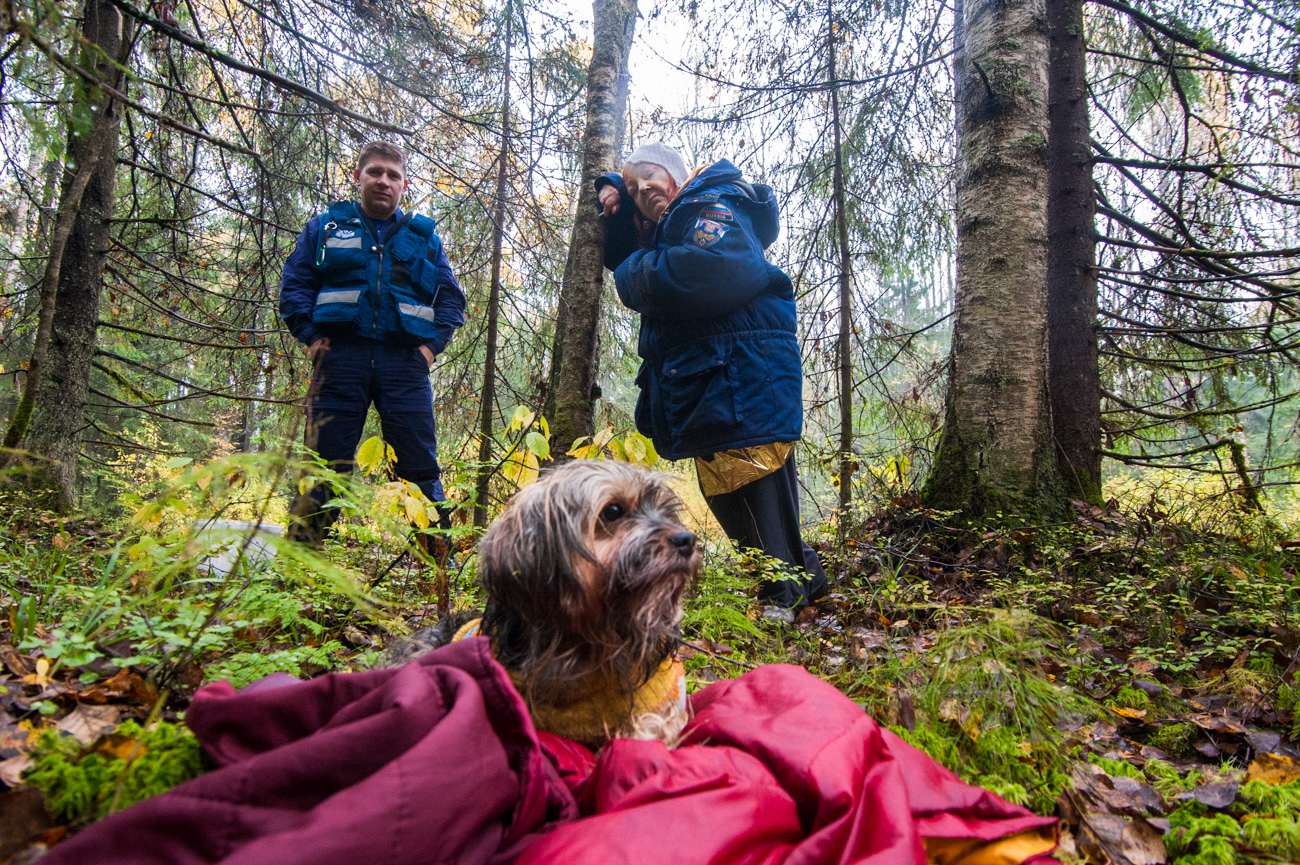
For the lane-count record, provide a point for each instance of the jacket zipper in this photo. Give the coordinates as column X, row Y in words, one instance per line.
column 379, row 281
column 379, row 278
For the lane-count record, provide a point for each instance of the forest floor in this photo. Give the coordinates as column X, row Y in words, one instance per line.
column 1133, row 673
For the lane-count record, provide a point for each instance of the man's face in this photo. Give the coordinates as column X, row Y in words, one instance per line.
column 380, row 183
column 652, row 188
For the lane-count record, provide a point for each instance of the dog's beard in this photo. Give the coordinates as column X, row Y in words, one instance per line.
column 576, row 604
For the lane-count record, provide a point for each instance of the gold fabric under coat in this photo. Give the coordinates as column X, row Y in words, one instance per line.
column 730, row 470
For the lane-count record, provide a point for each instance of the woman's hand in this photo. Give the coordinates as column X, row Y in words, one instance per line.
column 609, row 200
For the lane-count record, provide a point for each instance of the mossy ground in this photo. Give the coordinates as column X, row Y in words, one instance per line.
column 1011, row 654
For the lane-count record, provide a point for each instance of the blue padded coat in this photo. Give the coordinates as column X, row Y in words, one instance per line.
column 342, row 280
column 720, row 367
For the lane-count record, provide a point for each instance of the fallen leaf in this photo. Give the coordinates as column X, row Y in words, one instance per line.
column 11, row 770
column 1125, row 712
column 118, row 746
column 1141, row 665
column 1125, row 841
column 14, row 738
column 1273, row 769
column 1263, row 741
column 132, row 686
column 1218, row 722
column 16, row 663
column 1217, row 796
column 23, row 820
column 1143, row 795
column 88, row 723
column 38, row 677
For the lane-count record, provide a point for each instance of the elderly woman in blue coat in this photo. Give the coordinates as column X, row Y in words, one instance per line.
column 721, row 377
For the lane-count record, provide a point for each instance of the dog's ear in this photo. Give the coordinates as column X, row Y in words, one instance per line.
column 528, row 555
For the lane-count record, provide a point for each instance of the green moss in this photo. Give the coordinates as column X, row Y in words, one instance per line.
column 80, row 787
column 1130, row 698
column 1176, row 740
column 1116, row 767
column 1167, row 780
column 1263, row 664
column 1269, row 820
column 1278, row 835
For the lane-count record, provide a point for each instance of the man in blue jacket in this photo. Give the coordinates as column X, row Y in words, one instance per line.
column 721, row 377
column 369, row 291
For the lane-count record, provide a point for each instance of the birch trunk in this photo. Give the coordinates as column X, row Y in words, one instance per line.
column 575, row 355
column 995, row 451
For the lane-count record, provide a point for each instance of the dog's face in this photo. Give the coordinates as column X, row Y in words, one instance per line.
column 585, row 573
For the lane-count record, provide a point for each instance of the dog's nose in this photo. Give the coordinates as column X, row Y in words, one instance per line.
column 683, row 541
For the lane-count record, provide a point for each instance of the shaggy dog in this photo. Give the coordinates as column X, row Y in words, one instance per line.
column 585, row 572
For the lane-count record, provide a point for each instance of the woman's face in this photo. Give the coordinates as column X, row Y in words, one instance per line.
column 651, row 187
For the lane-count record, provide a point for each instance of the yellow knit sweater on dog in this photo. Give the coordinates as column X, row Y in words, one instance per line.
column 607, row 710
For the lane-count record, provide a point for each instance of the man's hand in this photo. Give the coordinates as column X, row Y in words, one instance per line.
column 428, row 355
column 317, row 349
column 609, row 200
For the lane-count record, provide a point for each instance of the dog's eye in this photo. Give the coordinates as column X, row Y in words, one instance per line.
column 612, row 512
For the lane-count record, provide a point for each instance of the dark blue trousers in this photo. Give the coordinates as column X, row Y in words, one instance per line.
column 349, row 377
column 764, row 516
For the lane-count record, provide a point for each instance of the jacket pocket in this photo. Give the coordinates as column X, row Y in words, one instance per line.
column 415, row 310
column 699, row 392
column 336, row 304
column 769, row 372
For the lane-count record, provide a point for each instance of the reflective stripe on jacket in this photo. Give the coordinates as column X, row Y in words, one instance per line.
column 343, row 280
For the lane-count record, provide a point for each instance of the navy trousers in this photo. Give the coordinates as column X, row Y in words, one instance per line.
column 764, row 516
column 349, row 377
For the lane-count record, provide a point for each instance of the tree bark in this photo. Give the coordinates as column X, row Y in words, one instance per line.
column 575, row 353
column 995, row 451
column 844, row 343
column 1074, row 375
column 487, row 403
column 59, row 372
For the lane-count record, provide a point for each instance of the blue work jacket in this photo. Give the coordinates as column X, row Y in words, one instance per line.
column 720, row 367
column 388, row 281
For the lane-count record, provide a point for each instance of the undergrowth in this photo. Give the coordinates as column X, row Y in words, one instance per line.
column 1264, row 819
column 81, row 785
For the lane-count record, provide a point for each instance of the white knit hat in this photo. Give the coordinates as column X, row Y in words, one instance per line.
column 658, row 153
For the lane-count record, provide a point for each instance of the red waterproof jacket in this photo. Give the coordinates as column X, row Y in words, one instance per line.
column 438, row 762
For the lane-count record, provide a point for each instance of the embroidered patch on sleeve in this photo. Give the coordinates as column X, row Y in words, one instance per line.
column 718, row 213
column 707, row 233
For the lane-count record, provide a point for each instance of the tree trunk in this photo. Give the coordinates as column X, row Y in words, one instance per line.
column 59, row 372
column 1074, row 376
column 844, row 344
column 487, row 404
column 995, row 451
column 575, row 354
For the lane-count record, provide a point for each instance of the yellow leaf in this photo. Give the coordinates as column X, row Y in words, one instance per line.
column 1273, row 769
column 635, row 445
column 523, row 417
column 603, row 437
column 370, row 456
column 1126, row 712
